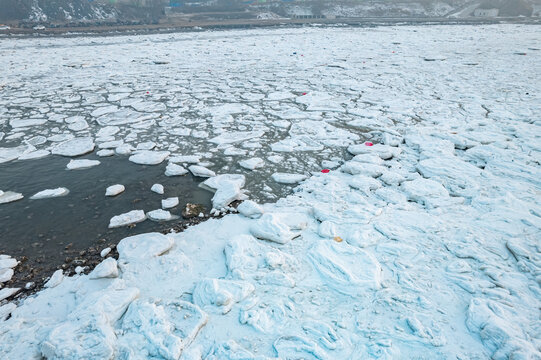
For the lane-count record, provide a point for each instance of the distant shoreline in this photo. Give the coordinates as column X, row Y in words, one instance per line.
column 184, row 26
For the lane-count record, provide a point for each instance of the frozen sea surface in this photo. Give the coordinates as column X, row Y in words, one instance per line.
column 422, row 241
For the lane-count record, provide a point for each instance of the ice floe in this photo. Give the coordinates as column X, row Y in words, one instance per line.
column 50, row 193
column 114, row 190
column 131, row 217
column 82, row 164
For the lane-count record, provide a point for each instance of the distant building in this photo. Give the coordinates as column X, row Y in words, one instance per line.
column 486, row 12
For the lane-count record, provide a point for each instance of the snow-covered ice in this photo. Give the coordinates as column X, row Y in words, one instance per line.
column 157, row 188
column 131, row 217
column 10, row 196
column 114, row 190
column 82, row 164
column 170, row 202
column 284, row 178
column 74, row 147
column 201, row 171
column 161, row 215
column 50, row 193
column 173, row 169
column 146, row 157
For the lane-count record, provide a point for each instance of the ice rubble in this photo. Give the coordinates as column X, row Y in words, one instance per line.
column 424, row 245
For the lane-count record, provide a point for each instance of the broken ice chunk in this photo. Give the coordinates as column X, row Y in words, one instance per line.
column 170, row 202
column 269, row 227
column 82, row 164
column 157, row 188
column 132, row 217
column 114, row 190
column 201, row 171
column 285, row 178
column 50, row 193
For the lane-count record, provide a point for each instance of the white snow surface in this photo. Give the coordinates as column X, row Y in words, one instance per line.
column 423, row 246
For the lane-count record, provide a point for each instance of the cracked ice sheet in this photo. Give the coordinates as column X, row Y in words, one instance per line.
column 458, row 280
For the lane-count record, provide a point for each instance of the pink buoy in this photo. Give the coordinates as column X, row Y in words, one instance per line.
column 368, row 143
column 325, row 171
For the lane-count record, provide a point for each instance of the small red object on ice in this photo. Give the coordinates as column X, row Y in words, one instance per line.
column 304, row 93
column 325, row 171
column 368, row 143
column 148, row 92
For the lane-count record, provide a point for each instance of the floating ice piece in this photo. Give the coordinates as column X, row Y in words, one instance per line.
column 105, row 252
column 143, row 246
column 160, row 215
column 124, row 149
column 250, row 209
column 82, row 164
column 50, row 193
column 227, row 192
column 78, row 125
column 114, row 190
column 234, row 137
column 220, row 294
column 161, row 329
column 106, row 269
column 55, row 279
column 269, row 227
column 146, row 157
column 148, row 145
column 74, row 147
column 347, row 269
column 7, row 292
column 186, row 159
column 157, row 188
column 215, row 182
column 286, row 178
column 201, row 171
column 6, row 274
column 233, row 151
column 170, row 202
column 132, row 217
column 105, row 152
column 175, row 170
column 10, row 196
column 18, row 123
column 9, row 154
column 252, row 164
column 38, row 154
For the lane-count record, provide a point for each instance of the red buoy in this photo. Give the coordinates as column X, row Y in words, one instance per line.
column 325, row 171
column 368, row 143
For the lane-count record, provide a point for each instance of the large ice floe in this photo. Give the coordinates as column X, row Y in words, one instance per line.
column 412, row 230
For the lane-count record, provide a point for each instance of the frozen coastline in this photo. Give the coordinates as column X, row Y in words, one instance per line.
column 424, row 243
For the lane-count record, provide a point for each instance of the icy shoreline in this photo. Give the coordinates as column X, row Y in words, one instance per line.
column 351, row 266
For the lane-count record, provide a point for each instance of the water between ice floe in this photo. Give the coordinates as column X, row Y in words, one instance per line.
column 41, row 229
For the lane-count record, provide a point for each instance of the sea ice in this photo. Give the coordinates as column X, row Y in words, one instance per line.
column 160, row 215
column 252, row 164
